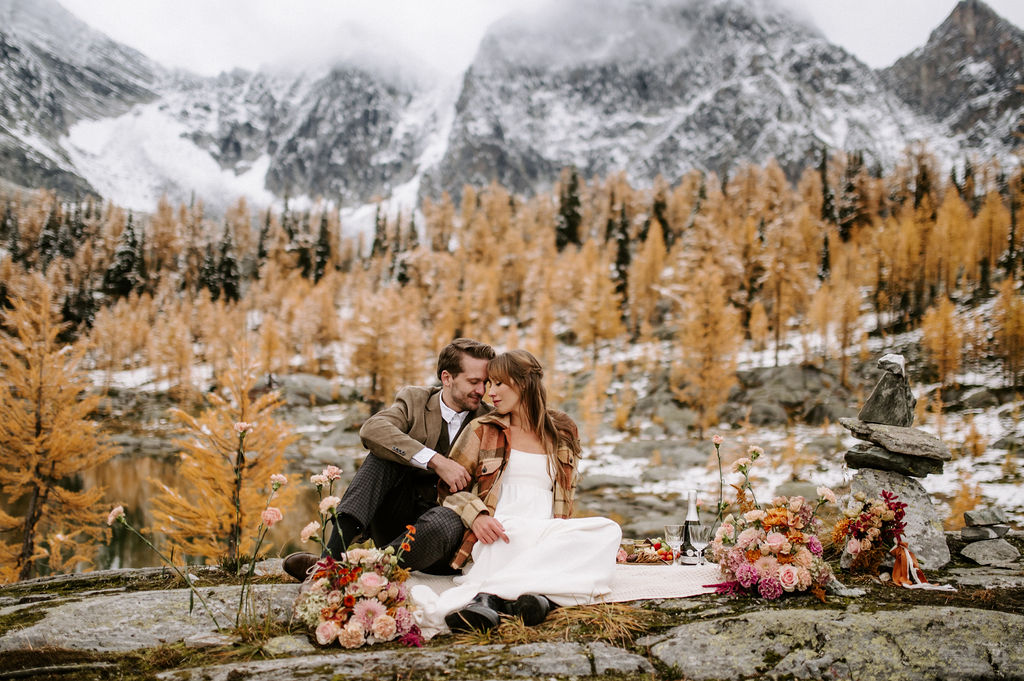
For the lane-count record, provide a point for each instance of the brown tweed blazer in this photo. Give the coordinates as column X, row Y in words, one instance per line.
column 483, row 448
column 398, row 432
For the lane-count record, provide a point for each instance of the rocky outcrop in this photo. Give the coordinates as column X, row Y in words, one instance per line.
column 882, row 645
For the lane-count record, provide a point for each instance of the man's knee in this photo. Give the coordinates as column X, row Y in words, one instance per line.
column 442, row 523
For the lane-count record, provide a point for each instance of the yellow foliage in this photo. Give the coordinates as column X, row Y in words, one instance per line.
column 226, row 476
column 967, row 498
column 47, row 439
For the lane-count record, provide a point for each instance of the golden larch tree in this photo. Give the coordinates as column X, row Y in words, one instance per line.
column 708, row 340
column 46, row 441
column 1009, row 331
column 943, row 339
column 225, row 473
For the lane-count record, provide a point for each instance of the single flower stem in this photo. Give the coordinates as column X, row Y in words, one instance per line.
column 176, row 570
column 721, row 485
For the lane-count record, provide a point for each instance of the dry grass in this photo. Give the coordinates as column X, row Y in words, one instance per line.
column 615, row 623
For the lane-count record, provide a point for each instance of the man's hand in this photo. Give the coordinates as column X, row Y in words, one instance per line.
column 453, row 473
column 488, row 529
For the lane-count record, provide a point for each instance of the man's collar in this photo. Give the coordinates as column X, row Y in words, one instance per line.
column 447, row 413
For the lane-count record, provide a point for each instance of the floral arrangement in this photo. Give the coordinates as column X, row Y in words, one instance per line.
column 773, row 550
column 869, row 528
column 361, row 598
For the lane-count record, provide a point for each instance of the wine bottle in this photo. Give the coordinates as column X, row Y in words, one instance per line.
column 690, row 554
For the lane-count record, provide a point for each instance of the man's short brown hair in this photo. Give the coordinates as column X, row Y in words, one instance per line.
column 450, row 359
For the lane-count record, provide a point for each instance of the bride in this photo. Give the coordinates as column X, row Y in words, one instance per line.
column 528, row 555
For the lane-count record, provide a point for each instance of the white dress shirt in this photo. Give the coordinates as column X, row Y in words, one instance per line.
column 454, row 421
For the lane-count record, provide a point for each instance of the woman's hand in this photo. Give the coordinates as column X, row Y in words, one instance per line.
column 488, row 529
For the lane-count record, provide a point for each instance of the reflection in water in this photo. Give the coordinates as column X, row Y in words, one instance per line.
column 132, row 480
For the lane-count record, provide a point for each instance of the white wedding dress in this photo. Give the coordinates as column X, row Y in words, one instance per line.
column 571, row 561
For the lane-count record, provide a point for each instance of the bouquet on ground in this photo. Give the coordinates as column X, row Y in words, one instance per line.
column 869, row 529
column 772, row 550
column 361, row 598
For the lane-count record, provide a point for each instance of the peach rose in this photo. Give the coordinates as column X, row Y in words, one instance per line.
column 789, row 577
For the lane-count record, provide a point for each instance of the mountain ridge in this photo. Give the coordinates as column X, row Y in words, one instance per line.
column 649, row 88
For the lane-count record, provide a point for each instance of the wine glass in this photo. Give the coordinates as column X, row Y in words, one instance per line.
column 700, row 537
column 674, row 539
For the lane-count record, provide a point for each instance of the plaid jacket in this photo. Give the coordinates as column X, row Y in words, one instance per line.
column 483, row 448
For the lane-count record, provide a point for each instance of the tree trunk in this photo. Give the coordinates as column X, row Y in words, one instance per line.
column 35, row 508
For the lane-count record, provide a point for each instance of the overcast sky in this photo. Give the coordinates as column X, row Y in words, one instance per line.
column 209, row 36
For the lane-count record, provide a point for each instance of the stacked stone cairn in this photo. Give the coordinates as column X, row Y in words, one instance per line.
column 984, row 531
column 893, row 454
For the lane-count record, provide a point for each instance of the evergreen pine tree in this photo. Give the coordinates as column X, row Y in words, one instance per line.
column 570, row 214
column 323, row 249
column 121, row 277
column 828, row 201
column 380, row 233
column 227, row 268
column 46, row 246
column 13, row 236
column 413, row 238
column 208, row 277
column 623, row 257
column 825, row 265
column 66, row 240
column 261, row 245
column 141, row 270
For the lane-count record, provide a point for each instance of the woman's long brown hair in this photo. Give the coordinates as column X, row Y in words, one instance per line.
column 521, row 369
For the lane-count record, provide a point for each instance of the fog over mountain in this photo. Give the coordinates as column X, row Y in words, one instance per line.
column 647, row 87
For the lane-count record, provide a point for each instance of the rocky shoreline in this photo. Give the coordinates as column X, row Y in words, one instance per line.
column 135, row 624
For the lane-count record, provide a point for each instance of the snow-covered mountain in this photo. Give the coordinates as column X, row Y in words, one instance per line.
column 54, row 72
column 967, row 76
column 643, row 86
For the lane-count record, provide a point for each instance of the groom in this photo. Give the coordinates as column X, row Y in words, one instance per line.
column 396, row 485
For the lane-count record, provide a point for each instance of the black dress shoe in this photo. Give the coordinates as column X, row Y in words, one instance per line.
column 482, row 614
column 297, row 565
column 532, row 608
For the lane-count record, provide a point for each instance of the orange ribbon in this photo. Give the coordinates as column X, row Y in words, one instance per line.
column 907, row 573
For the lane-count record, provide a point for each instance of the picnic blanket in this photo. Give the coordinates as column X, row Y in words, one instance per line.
column 631, row 582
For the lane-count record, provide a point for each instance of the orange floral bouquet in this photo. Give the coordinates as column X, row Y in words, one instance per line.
column 773, row 550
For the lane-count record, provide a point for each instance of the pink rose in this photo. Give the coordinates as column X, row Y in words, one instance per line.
column 271, row 515
column 332, row 472
column 309, row 531
column 115, row 514
column 788, row 577
column 853, row 547
column 384, row 628
column 795, row 503
column 328, row 504
column 371, row 583
column 776, row 541
column 327, row 631
column 827, row 494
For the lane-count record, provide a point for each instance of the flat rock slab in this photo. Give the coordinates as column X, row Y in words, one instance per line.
column 885, row 645
column 909, row 441
column 534, row 660
column 866, row 455
column 123, row 622
column 991, row 552
column 996, row 577
column 984, row 516
column 985, row 532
